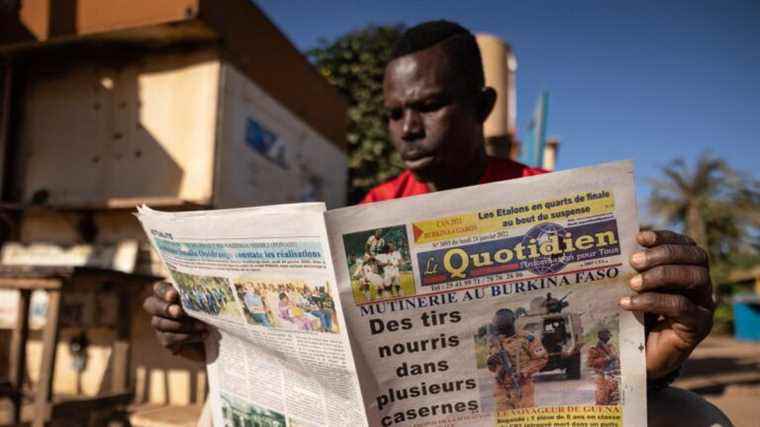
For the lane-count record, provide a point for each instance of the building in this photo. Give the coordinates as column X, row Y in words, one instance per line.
column 178, row 104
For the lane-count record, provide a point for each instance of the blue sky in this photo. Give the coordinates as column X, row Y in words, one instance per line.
column 649, row 81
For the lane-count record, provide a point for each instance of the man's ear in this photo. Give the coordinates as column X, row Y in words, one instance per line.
column 486, row 103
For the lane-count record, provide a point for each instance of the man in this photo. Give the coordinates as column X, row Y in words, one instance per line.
column 375, row 244
column 436, row 104
column 369, row 278
column 603, row 359
column 256, row 306
column 391, row 262
column 513, row 358
column 361, row 278
column 315, row 305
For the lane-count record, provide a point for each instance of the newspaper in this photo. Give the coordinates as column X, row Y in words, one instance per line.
column 487, row 305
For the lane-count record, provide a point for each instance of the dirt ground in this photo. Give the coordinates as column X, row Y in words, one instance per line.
column 727, row 373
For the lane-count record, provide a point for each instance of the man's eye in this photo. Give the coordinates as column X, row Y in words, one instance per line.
column 430, row 106
column 394, row 114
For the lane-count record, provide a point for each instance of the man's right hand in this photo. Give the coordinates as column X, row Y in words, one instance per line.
column 175, row 330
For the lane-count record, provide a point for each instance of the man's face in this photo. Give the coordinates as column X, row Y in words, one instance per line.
column 431, row 119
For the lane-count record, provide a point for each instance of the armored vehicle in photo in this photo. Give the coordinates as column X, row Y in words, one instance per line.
column 561, row 333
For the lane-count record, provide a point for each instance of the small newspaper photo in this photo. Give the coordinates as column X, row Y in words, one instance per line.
column 492, row 305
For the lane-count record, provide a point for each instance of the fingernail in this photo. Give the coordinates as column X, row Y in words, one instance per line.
column 638, row 258
column 625, row 301
column 637, row 282
column 649, row 236
column 174, row 310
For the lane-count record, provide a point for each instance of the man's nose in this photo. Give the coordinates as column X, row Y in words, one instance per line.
column 412, row 126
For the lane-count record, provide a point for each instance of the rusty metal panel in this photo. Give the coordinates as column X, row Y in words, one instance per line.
column 48, row 19
column 95, row 132
column 248, row 39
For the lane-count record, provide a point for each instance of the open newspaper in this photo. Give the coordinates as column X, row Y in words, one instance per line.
column 486, row 305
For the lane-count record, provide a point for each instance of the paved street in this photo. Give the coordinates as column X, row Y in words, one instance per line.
column 727, row 373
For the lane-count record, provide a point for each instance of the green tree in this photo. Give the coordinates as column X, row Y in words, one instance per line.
column 718, row 207
column 355, row 64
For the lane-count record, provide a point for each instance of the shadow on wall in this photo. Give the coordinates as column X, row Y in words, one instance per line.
column 83, row 138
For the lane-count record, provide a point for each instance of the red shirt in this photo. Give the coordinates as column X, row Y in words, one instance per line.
column 406, row 185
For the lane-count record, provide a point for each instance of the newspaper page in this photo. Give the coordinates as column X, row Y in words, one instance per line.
column 496, row 304
column 263, row 279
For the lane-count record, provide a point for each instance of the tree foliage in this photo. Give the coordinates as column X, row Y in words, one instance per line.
column 717, row 206
column 355, row 64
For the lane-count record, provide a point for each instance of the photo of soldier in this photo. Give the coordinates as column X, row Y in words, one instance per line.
column 550, row 349
column 554, row 305
column 207, row 294
column 379, row 264
column 292, row 304
column 605, row 361
column 514, row 358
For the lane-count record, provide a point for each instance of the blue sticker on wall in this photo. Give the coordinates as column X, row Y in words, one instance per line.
column 265, row 142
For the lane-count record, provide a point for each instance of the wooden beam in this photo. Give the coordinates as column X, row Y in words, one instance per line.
column 18, row 353
column 29, row 283
column 81, row 408
column 121, row 347
column 44, row 392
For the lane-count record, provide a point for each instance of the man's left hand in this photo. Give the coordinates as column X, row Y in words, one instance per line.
column 674, row 291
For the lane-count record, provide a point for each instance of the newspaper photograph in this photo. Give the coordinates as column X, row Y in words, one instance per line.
column 278, row 353
column 496, row 304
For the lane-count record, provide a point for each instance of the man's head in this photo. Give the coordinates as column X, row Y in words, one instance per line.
column 504, row 322
column 604, row 335
column 436, row 101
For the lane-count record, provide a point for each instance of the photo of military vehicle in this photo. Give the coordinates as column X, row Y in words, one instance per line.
column 560, row 332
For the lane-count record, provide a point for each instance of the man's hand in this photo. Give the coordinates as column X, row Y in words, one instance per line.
column 175, row 330
column 675, row 293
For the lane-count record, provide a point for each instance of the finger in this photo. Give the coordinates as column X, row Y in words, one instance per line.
column 158, row 307
column 668, row 254
column 651, row 238
column 166, row 292
column 187, row 325
column 677, row 307
column 173, row 340
column 676, row 277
